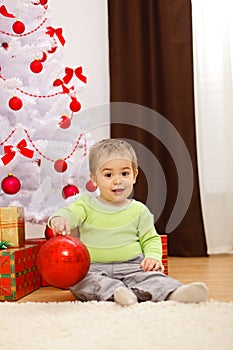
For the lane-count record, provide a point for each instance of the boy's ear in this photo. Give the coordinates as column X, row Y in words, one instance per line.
column 135, row 175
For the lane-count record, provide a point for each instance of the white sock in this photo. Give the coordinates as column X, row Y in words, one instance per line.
column 124, row 296
column 195, row 292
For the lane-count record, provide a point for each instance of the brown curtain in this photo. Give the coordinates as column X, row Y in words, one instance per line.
column 151, row 86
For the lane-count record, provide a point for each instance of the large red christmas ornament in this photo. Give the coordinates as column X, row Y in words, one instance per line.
column 64, row 122
column 48, row 232
column 36, row 66
column 75, row 106
column 18, row 27
column 15, row 103
column 69, row 191
column 90, row 186
column 60, row 166
column 43, row 2
column 63, row 261
column 10, row 184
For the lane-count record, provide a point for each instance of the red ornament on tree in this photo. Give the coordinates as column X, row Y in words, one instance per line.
column 5, row 45
column 75, row 106
column 18, row 27
column 90, row 186
column 65, row 122
column 10, row 184
column 43, row 2
column 69, row 191
column 36, row 66
column 60, row 166
column 48, row 232
column 63, row 261
column 15, row 103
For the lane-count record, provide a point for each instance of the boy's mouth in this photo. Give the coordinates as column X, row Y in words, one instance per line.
column 118, row 190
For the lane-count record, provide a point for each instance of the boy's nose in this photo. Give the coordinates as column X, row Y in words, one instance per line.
column 117, row 180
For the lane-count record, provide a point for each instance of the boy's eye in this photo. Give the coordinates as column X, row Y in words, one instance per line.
column 125, row 173
column 108, row 174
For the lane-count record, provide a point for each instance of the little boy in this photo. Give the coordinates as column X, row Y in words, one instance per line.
column 119, row 233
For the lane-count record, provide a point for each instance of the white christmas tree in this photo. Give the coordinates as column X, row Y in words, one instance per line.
column 42, row 146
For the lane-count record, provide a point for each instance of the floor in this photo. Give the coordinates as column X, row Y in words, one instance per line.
column 216, row 271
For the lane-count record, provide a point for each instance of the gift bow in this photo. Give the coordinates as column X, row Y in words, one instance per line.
column 5, row 244
column 5, row 13
column 58, row 32
column 70, row 72
column 10, row 151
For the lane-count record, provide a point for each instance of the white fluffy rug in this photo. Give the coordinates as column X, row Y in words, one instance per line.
column 107, row 326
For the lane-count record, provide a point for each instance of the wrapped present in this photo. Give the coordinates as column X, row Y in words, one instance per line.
column 19, row 275
column 40, row 242
column 12, row 226
column 164, row 253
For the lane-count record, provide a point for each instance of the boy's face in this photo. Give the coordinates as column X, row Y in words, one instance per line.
column 115, row 179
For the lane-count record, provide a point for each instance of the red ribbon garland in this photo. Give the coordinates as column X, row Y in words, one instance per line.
column 5, row 13
column 70, row 72
column 58, row 32
column 21, row 146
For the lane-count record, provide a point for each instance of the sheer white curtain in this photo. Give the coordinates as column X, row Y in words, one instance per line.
column 213, row 86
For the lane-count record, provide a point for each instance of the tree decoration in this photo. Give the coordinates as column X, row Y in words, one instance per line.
column 60, row 166
column 36, row 66
column 65, row 122
column 90, row 186
column 44, row 57
column 70, row 72
column 5, row 45
column 69, row 191
column 5, row 13
column 10, row 184
column 32, row 153
column 18, row 27
column 15, row 103
column 10, row 151
column 75, row 105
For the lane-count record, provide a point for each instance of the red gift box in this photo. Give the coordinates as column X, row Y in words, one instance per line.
column 40, row 242
column 164, row 253
column 19, row 275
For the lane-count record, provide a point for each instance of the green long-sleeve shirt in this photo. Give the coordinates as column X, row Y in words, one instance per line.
column 113, row 234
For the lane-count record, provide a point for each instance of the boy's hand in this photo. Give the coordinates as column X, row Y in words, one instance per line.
column 60, row 225
column 151, row 264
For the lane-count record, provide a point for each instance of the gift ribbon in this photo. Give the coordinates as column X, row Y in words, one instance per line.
column 5, row 244
column 70, row 72
column 10, row 151
column 5, row 13
column 58, row 32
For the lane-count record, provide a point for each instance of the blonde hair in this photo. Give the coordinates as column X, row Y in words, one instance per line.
column 104, row 148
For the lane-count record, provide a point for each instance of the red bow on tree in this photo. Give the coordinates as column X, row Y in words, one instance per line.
column 70, row 72
column 5, row 13
column 59, row 82
column 10, row 151
column 58, row 32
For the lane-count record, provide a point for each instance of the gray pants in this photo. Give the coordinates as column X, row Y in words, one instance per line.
column 102, row 279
